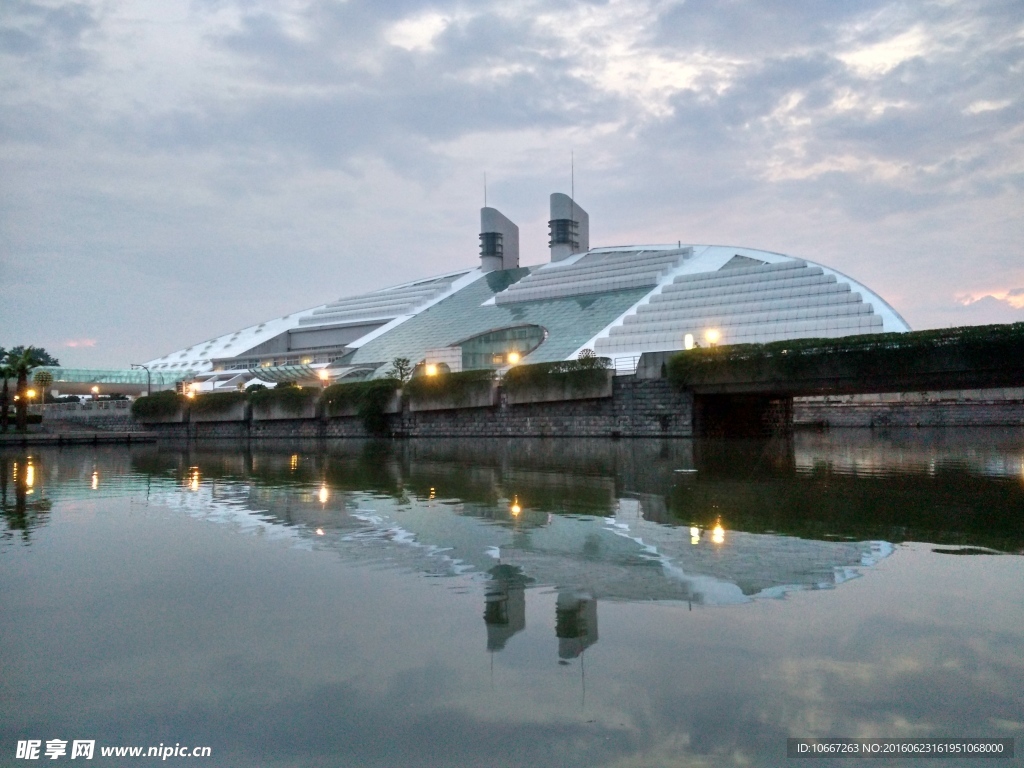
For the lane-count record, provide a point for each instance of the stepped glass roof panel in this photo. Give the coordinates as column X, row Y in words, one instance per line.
column 569, row 321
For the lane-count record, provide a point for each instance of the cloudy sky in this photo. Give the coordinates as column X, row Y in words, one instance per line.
column 170, row 171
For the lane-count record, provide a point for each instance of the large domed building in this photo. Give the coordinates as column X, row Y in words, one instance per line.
column 618, row 301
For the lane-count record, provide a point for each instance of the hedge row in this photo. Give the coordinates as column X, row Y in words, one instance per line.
column 986, row 347
column 577, row 375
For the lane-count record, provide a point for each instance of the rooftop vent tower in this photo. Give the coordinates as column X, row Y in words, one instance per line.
column 570, row 227
column 499, row 241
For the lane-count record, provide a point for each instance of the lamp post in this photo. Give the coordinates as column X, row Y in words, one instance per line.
column 149, row 379
column 95, row 393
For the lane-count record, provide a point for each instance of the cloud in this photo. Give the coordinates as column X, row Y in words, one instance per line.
column 1013, row 297
column 176, row 158
column 80, row 343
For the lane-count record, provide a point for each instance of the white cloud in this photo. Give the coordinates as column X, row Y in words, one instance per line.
column 876, row 59
column 987, row 106
column 418, row 33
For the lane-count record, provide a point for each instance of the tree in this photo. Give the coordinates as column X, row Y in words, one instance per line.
column 6, row 372
column 40, row 355
column 401, row 369
column 23, row 360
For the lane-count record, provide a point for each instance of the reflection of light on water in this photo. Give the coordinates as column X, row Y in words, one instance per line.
column 694, row 535
column 515, row 509
column 30, row 475
column 432, row 493
column 324, row 495
column 319, row 531
column 718, row 534
column 193, row 482
column 295, row 461
column 95, row 480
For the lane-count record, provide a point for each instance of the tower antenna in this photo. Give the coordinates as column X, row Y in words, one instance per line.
column 485, row 189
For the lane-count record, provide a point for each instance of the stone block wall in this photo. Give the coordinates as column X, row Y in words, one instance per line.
column 954, row 408
column 637, row 408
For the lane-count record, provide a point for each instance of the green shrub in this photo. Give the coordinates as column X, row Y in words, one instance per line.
column 987, row 347
column 369, row 398
column 456, row 386
column 216, row 402
column 578, row 375
column 158, row 405
column 289, row 398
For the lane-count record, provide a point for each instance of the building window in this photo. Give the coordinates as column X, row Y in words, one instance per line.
column 490, row 244
column 564, row 232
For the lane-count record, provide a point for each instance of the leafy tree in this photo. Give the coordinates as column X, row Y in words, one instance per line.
column 401, row 369
column 41, row 355
column 23, row 360
column 6, row 372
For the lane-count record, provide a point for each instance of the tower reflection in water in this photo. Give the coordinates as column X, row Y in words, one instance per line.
column 505, row 605
column 505, row 613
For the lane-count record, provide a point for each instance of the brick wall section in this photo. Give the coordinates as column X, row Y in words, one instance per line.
column 638, row 408
column 955, row 408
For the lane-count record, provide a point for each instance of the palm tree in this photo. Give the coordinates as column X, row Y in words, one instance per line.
column 6, row 372
column 22, row 360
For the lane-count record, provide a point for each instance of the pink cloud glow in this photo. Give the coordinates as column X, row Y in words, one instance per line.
column 80, row 343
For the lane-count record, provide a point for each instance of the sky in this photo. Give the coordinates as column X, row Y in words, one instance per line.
column 171, row 171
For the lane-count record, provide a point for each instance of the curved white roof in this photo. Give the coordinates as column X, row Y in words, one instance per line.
column 626, row 300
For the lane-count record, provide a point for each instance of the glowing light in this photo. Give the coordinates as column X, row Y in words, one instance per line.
column 193, row 482
column 324, row 494
column 688, row 341
column 515, row 509
column 319, row 531
column 712, row 335
column 95, row 391
column 30, row 476
column 190, row 395
column 323, row 374
column 31, row 393
column 295, row 461
column 718, row 534
column 513, row 358
column 432, row 493
column 431, row 370
column 694, row 535
column 95, row 480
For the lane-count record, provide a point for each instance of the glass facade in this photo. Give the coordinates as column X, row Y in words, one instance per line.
column 491, row 350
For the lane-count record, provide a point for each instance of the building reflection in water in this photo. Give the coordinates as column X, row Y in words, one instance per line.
column 505, row 605
column 575, row 623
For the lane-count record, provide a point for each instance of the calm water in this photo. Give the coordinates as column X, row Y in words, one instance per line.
column 492, row 603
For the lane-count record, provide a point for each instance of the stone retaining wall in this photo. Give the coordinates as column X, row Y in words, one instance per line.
column 954, row 408
column 638, row 408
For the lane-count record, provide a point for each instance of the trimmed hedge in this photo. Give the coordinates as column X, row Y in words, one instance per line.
column 986, row 347
column 158, row 405
column 289, row 399
column 454, row 386
column 578, row 375
column 216, row 402
column 369, row 398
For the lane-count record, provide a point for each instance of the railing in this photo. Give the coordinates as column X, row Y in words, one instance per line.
column 625, row 366
column 56, row 410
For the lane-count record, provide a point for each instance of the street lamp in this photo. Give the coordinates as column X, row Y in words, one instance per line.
column 324, row 376
column 149, row 379
column 712, row 335
column 513, row 358
column 95, row 393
